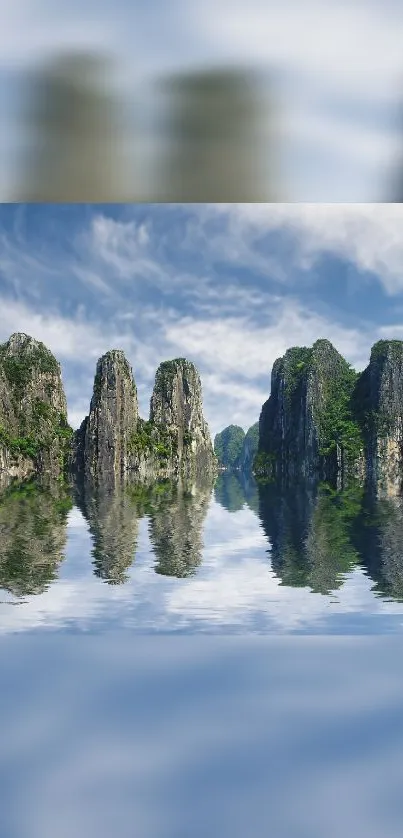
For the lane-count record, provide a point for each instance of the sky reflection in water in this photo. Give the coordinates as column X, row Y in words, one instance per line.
column 113, row 733
column 233, row 559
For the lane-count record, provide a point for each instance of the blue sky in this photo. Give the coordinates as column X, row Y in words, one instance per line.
column 336, row 69
column 230, row 287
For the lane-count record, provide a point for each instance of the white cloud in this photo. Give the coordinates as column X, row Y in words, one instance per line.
column 68, row 339
column 369, row 235
column 354, row 46
column 231, row 353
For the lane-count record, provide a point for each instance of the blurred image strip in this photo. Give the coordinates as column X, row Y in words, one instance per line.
column 84, row 142
column 219, row 101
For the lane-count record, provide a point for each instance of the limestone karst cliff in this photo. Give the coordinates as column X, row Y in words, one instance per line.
column 378, row 403
column 249, row 447
column 307, row 427
column 228, row 445
column 322, row 420
column 325, row 421
column 34, row 432
column 100, row 450
column 114, row 443
column 177, row 405
column 236, row 449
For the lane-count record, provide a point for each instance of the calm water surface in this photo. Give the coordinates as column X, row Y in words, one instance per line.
column 186, row 732
column 228, row 558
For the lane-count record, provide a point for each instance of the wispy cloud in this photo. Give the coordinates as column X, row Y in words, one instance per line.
column 223, row 285
column 368, row 235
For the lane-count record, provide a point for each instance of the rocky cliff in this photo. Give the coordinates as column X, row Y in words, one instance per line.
column 34, row 432
column 228, row 445
column 378, row 403
column 176, row 409
column 307, row 427
column 114, row 444
column 101, row 446
column 249, row 448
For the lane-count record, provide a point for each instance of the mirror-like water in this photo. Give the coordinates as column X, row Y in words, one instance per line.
column 231, row 557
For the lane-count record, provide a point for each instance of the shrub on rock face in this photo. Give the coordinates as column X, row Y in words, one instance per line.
column 34, row 432
column 308, row 426
column 228, row 446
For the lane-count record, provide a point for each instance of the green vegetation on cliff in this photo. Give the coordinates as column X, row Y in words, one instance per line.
column 383, row 347
column 28, row 446
column 34, row 423
column 335, row 381
column 18, row 370
column 338, row 423
column 263, row 467
column 295, row 364
column 228, row 446
column 310, row 415
column 150, row 438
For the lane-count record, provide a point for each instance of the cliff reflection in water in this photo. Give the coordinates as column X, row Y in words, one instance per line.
column 234, row 489
column 318, row 535
column 310, row 530
column 176, row 511
column 33, row 534
column 113, row 524
column 315, row 536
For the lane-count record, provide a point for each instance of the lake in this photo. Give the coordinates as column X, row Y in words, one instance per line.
column 124, row 710
column 232, row 558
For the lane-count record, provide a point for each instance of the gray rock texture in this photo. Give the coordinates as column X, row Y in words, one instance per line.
column 34, row 432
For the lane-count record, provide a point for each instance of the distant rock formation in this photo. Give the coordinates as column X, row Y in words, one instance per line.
column 249, row 448
column 228, row 446
column 236, row 450
column 34, row 432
